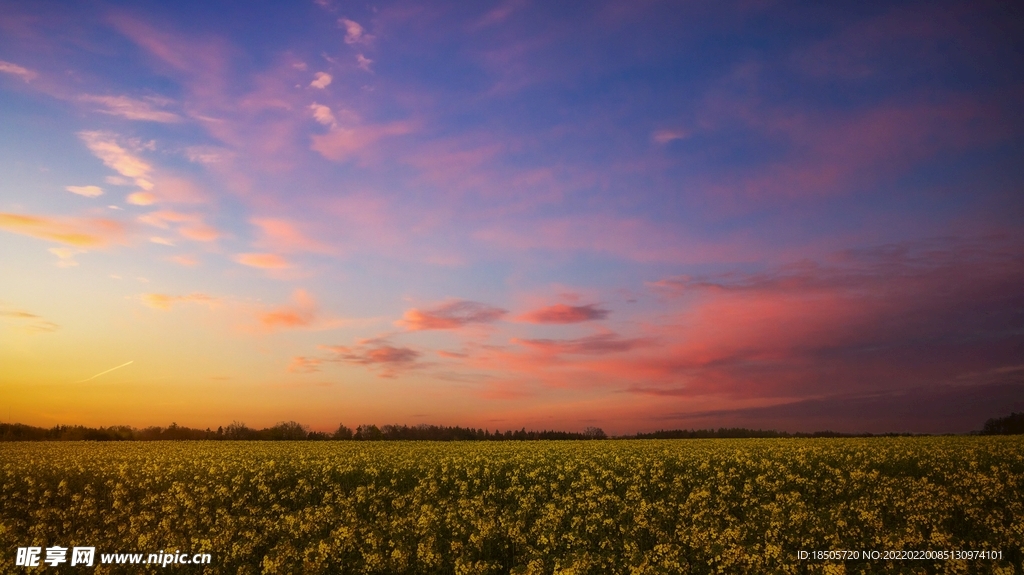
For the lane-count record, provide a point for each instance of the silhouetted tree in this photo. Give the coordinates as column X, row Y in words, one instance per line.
column 238, row 430
column 286, row 431
column 368, row 432
column 1012, row 424
column 343, row 432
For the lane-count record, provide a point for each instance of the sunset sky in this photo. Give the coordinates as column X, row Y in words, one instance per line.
column 632, row 215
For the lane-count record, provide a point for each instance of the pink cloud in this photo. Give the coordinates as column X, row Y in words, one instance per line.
column 156, row 186
column 302, row 313
column 364, row 63
column 380, row 354
column 162, row 218
column 597, row 344
column 146, row 109
column 262, row 260
column 478, row 164
column 562, row 313
column 188, row 225
column 178, row 190
column 457, row 164
column 341, row 144
column 853, row 322
column 498, row 14
column 452, row 315
column 375, row 353
column 354, row 32
column 259, row 128
column 196, row 56
column 16, row 70
column 856, row 322
column 321, row 81
column 323, row 114
column 282, row 235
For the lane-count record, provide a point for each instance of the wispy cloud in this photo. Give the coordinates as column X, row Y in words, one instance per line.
column 77, row 232
column 301, row 313
column 341, row 144
column 66, row 255
column 208, row 155
column 187, row 261
column 498, row 14
column 452, row 315
column 188, row 225
column 16, row 70
column 377, row 353
column 147, row 109
column 281, row 235
column 165, row 302
column 87, row 191
column 364, row 63
column 562, row 313
column 169, row 188
column 104, row 145
column 666, row 136
column 262, row 260
column 29, row 322
column 869, row 319
column 598, row 344
column 304, row 364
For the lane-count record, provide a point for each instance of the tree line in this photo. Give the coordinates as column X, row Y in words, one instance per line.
column 293, row 431
column 284, row 431
column 1012, row 424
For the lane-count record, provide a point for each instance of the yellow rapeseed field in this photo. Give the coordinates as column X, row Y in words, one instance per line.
column 654, row 506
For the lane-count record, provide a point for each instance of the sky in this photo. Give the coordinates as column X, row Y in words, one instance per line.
column 632, row 215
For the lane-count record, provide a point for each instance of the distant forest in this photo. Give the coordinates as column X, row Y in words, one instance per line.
column 293, row 431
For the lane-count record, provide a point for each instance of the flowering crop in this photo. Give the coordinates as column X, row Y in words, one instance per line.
column 654, row 506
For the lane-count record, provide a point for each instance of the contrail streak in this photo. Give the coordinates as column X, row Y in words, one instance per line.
column 102, row 372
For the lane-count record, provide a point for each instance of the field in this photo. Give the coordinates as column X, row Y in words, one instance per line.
column 656, row 506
